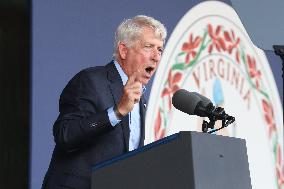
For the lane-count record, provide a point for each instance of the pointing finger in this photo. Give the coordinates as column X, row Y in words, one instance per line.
column 134, row 77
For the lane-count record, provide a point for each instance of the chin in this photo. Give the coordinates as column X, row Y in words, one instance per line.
column 144, row 81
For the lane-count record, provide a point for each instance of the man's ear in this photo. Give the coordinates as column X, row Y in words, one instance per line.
column 122, row 50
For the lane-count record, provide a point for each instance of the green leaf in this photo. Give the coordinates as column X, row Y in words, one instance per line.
column 265, row 94
column 179, row 66
column 181, row 53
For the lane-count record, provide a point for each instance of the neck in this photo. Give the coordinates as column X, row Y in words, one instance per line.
column 121, row 63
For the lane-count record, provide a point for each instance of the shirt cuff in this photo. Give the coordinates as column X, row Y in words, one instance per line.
column 112, row 117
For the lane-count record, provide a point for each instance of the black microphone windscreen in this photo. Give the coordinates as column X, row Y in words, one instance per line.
column 185, row 101
column 206, row 102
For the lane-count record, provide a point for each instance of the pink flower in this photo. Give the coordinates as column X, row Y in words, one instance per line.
column 279, row 166
column 253, row 71
column 269, row 117
column 217, row 40
column 159, row 132
column 172, row 86
column 233, row 43
column 189, row 47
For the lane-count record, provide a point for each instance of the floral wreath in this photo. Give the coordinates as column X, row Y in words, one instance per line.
column 225, row 41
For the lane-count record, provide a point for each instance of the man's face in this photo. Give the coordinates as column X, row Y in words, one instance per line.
column 143, row 57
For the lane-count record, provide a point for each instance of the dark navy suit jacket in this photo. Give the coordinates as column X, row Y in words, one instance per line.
column 82, row 132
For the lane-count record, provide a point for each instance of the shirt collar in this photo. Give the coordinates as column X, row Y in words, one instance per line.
column 123, row 76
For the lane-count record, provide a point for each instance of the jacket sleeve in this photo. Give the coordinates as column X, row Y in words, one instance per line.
column 82, row 119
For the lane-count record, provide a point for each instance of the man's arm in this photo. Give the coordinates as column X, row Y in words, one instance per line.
column 82, row 118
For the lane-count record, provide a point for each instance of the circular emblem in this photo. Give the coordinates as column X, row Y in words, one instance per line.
column 210, row 53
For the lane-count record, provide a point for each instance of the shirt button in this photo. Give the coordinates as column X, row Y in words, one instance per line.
column 94, row 124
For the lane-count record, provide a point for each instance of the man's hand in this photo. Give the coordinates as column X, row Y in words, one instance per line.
column 132, row 92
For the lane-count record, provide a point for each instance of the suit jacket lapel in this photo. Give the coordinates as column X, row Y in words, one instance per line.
column 142, row 105
column 116, row 88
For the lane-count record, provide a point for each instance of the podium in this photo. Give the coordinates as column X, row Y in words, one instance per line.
column 186, row 160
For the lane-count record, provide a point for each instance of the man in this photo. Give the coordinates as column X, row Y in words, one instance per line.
column 102, row 109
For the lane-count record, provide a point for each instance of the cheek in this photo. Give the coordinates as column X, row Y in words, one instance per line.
column 140, row 59
column 145, row 56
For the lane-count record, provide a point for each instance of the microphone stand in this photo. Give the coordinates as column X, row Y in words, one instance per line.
column 216, row 114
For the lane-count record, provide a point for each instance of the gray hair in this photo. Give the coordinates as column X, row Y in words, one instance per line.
column 130, row 29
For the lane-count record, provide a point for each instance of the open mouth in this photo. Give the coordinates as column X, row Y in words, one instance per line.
column 149, row 69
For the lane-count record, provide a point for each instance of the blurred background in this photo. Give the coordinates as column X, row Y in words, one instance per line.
column 44, row 43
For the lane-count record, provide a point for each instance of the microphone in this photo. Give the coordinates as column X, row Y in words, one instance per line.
column 185, row 101
column 192, row 103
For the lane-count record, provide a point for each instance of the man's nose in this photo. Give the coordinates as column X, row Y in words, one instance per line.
column 156, row 55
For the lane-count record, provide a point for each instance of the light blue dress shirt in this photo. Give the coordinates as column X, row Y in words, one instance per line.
column 134, row 115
